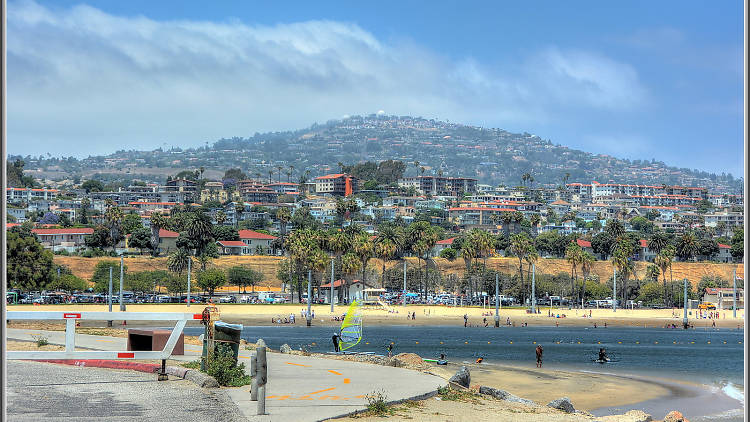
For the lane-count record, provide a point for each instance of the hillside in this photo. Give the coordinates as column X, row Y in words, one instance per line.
column 693, row 271
column 494, row 156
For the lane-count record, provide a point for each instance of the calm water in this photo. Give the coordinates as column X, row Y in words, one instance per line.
column 703, row 356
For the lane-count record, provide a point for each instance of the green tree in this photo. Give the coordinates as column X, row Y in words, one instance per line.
column 100, row 278
column 687, row 246
column 139, row 282
column 738, row 244
column 131, row 223
column 242, row 277
column 449, row 253
column 520, row 246
column 177, row 284
column 140, row 239
column 178, row 261
column 92, row 186
column 29, row 265
column 653, row 272
column 210, row 279
column 113, row 221
column 389, row 242
column 574, row 256
column 68, row 283
column 664, row 262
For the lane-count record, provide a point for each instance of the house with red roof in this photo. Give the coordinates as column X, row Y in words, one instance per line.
column 724, row 253
column 257, row 243
column 167, row 240
column 585, row 246
column 68, row 239
column 442, row 244
column 643, row 253
column 233, row 247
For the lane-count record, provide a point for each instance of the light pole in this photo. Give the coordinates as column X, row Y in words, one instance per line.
column 614, row 291
column 404, row 298
column 309, row 296
column 332, row 262
column 190, row 260
column 533, row 288
column 734, row 295
column 497, row 300
column 684, row 307
column 122, row 282
column 109, row 297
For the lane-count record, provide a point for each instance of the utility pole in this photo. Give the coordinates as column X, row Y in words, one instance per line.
column 497, row 300
column 309, row 296
column 122, row 282
column 734, row 296
column 614, row 291
column 533, row 288
column 332, row 262
column 404, row 298
column 684, row 306
column 188, row 293
column 109, row 297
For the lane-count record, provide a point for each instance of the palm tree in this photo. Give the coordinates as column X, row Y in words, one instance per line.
column 158, row 221
column 270, row 175
column 573, row 254
column 364, row 249
column 284, row 216
column 687, row 246
column 506, row 217
column 113, row 215
column 565, row 179
column 658, row 242
column 422, row 237
column 621, row 254
column 587, row 261
column 520, row 246
column 664, row 262
column 178, row 261
column 531, row 259
column 388, row 243
column 291, row 171
column 535, row 219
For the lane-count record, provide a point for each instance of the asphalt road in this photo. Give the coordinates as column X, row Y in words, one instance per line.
column 44, row 391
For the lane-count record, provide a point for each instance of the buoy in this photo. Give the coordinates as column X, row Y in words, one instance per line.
column 534, row 342
column 511, row 342
column 466, row 342
column 440, row 342
column 488, row 342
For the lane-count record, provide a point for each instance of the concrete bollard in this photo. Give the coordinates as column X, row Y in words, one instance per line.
column 254, row 374
column 262, row 380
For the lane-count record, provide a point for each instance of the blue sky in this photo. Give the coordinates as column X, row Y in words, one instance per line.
column 632, row 79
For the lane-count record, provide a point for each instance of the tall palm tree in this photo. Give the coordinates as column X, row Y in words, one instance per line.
column 520, row 246
column 622, row 252
column 284, row 216
column 158, row 221
column 178, row 261
column 221, row 218
column 573, row 254
column 113, row 216
column 658, row 242
column 664, row 262
column 422, row 237
column 291, row 172
column 687, row 246
column 389, row 241
column 535, row 219
column 364, row 249
column 531, row 258
column 587, row 262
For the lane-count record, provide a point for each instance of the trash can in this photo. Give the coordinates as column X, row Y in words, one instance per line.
column 225, row 333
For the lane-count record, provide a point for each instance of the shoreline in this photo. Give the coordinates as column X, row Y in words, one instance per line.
column 435, row 315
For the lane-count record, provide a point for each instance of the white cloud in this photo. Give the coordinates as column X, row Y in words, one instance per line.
column 84, row 81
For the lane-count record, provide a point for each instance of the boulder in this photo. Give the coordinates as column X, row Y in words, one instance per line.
column 675, row 416
column 503, row 395
column 260, row 343
column 563, row 404
column 462, row 377
column 630, row 416
column 285, row 348
column 203, row 380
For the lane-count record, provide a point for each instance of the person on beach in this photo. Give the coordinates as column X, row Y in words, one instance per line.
column 466, row 320
column 539, row 352
column 335, row 340
column 413, row 314
column 480, row 359
column 390, row 349
column 603, row 355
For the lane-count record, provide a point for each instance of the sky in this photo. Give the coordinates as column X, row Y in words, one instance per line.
column 632, row 79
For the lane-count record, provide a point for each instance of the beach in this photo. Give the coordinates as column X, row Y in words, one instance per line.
column 426, row 315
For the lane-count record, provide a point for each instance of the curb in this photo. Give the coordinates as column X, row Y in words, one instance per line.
column 111, row 364
column 196, row 377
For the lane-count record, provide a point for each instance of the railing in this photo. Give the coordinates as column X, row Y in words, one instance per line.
column 70, row 333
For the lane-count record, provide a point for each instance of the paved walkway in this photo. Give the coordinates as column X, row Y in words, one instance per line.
column 300, row 388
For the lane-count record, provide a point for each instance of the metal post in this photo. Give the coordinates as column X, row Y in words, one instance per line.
column 122, row 282
column 533, row 288
column 188, row 293
column 685, row 301
column 254, row 375
column 332, row 263
column 497, row 300
column 734, row 296
column 614, row 292
column 70, row 335
column 262, row 379
column 309, row 296
column 163, row 371
column 404, row 298
column 109, row 297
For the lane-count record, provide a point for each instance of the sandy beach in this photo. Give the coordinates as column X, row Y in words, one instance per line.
column 425, row 315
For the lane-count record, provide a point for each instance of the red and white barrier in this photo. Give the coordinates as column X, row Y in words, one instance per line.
column 70, row 331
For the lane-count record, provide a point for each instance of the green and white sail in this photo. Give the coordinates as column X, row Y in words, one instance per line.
column 351, row 328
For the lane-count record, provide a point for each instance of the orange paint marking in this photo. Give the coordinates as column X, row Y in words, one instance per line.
column 347, row 380
column 334, row 372
column 296, row 364
column 362, row 396
column 305, row 397
column 329, row 397
column 283, row 397
column 322, row 391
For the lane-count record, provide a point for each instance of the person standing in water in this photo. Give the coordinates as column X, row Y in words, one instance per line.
column 335, row 340
column 539, row 352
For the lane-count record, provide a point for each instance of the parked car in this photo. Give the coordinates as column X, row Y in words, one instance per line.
column 228, row 299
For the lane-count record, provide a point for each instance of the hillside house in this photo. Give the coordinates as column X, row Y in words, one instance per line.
column 722, row 297
column 167, row 241
column 233, row 247
column 257, row 243
column 63, row 239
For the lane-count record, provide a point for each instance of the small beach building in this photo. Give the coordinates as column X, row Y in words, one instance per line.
column 722, row 297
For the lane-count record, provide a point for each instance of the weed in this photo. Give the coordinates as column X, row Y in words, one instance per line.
column 40, row 340
column 196, row 364
column 376, row 403
column 448, row 394
column 225, row 369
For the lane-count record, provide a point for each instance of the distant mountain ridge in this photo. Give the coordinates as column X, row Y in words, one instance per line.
column 429, row 147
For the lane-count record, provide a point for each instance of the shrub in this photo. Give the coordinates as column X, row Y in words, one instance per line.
column 40, row 340
column 224, row 368
column 376, row 403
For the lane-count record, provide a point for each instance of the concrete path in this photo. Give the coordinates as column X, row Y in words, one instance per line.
column 300, row 388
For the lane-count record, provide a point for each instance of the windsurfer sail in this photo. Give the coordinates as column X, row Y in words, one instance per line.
column 351, row 328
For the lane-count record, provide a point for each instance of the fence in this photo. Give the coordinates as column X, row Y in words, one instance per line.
column 70, row 331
